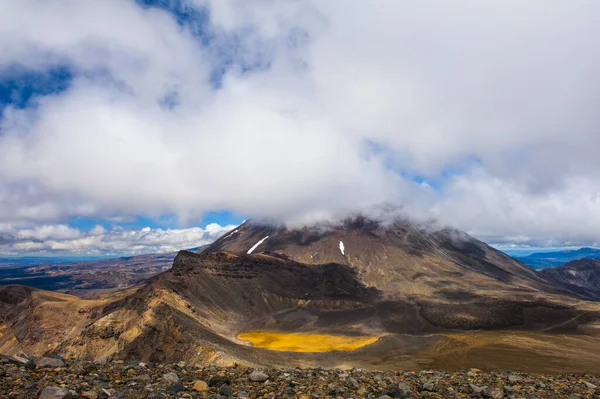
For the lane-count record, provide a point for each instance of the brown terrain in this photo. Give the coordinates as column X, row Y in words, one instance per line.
column 434, row 299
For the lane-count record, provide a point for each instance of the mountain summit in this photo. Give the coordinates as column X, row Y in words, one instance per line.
column 400, row 259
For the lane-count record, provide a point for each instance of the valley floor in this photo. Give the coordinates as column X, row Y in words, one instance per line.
column 54, row 378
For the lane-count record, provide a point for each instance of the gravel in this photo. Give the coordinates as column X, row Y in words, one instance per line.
column 129, row 380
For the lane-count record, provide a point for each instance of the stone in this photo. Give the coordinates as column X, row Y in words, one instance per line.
column 513, row 379
column 174, row 388
column 56, row 393
column 400, row 390
column 242, row 394
column 218, row 380
column 473, row 372
column 492, row 393
column 171, row 378
column 590, row 385
column 49, row 362
column 476, row 389
column 89, row 395
column 428, row 386
column 143, row 378
column 200, row 386
column 258, row 376
column 20, row 360
column 352, row 382
column 225, row 390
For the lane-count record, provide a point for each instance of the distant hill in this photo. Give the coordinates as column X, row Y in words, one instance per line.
column 83, row 276
column 582, row 276
column 542, row 260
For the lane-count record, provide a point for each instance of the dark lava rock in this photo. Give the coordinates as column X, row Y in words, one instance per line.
column 400, row 390
column 225, row 390
column 218, row 380
column 174, row 388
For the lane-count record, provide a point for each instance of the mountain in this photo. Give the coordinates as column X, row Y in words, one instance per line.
column 541, row 260
column 400, row 258
column 582, row 276
column 402, row 295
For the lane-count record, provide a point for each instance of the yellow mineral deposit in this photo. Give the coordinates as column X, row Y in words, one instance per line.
column 305, row 342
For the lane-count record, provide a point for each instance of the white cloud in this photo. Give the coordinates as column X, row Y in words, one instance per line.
column 98, row 240
column 350, row 98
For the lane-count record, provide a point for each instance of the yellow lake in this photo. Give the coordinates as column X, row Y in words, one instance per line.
column 305, row 342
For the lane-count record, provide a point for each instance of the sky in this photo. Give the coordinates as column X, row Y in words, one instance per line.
column 141, row 126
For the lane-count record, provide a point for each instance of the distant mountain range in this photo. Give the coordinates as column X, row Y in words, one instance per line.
column 542, row 260
column 86, row 279
column 9, row 261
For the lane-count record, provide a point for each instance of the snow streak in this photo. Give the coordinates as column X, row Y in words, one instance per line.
column 256, row 245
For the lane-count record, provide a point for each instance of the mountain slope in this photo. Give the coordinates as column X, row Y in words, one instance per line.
column 581, row 276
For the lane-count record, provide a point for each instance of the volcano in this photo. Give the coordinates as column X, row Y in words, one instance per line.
column 399, row 295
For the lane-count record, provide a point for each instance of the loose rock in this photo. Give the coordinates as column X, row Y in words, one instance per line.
column 492, row 393
column 56, row 393
column 258, row 376
column 171, row 377
column 200, row 386
column 112, row 380
column 49, row 362
column 225, row 390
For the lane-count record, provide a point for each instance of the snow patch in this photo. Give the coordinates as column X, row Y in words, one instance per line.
column 342, row 248
column 230, row 234
column 572, row 272
column 256, row 245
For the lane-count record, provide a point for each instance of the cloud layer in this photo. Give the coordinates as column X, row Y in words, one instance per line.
column 480, row 114
column 98, row 240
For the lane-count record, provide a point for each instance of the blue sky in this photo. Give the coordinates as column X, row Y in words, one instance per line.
column 163, row 221
column 132, row 126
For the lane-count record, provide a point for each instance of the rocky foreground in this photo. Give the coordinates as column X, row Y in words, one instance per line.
column 55, row 378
